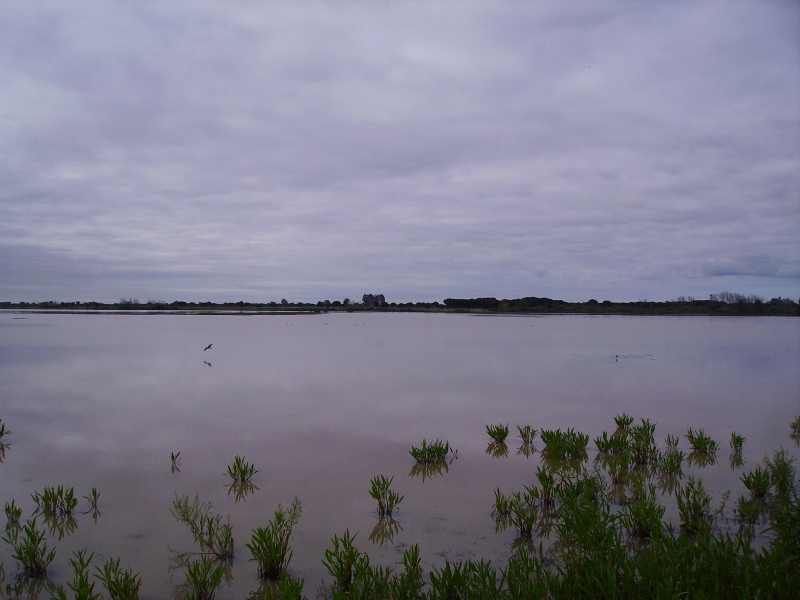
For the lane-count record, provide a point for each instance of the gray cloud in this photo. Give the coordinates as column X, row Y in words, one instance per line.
column 317, row 150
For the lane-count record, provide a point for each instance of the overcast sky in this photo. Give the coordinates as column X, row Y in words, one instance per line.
column 258, row 151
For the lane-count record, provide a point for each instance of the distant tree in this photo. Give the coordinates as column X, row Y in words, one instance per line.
column 346, row 302
column 284, row 302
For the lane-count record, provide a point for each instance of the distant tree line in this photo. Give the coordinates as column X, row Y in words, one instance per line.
column 722, row 303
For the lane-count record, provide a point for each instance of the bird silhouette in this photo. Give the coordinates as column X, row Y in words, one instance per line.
column 207, row 347
column 208, row 363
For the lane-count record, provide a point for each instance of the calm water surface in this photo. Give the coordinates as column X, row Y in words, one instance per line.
column 323, row 403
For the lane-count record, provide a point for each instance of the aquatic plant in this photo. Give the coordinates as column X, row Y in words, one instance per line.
column 80, row 584
column 782, row 475
column 623, row 421
column 430, row 453
column 737, row 442
column 523, row 511
column 615, row 444
column 643, row 447
column 92, row 499
column 502, row 503
column 498, row 433
column 497, row 450
column 241, row 470
column 642, row 518
column 694, row 508
column 341, row 560
column 56, row 501
column 286, row 587
column 757, row 482
column 269, row 546
column 672, row 442
column 526, row 450
column 527, row 433
column 31, row 550
column 736, row 460
column 561, row 445
column 3, row 431
column 700, row 442
column 120, row 585
column 795, row 425
column 209, row 532
column 387, row 498
column 671, row 464
column 546, row 493
column 203, row 577
column 13, row 514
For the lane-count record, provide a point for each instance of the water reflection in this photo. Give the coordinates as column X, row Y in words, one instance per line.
column 429, row 470
column 59, row 526
column 241, row 489
column 497, row 449
column 176, row 462
column 384, row 531
column 700, row 459
column 736, row 460
column 527, row 449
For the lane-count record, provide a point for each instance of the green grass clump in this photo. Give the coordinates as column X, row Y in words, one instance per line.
column 387, row 498
column 13, row 514
column 694, row 508
column 737, row 442
column 757, row 482
column 562, row 445
column 175, row 457
column 82, row 588
column 795, row 425
column 672, row 442
column 3, row 431
column 671, row 464
column 430, row 453
column 615, row 444
column 527, row 433
column 623, row 421
column 269, row 546
column 203, row 577
column 30, row 549
column 120, row 585
column 498, row 433
column 58, row 501
column 341, row 561
column 241, row 471
column 700, row 442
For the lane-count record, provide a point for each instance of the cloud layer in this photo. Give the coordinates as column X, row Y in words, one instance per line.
column 254, row 151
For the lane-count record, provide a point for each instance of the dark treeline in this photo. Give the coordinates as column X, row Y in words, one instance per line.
column 724, row 303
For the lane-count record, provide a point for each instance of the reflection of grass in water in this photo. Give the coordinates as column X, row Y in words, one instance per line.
column 429, row 470
column 497, row 450
column 795, row 426
column 384, row 531
column 701, row 459
column 175, row 457
column 241, row 489
column 286, row 587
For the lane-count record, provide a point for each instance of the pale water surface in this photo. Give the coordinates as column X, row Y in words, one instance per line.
column 322, row 403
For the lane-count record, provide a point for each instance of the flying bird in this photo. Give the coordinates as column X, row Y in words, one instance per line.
column 207, row 347
column 208, row 363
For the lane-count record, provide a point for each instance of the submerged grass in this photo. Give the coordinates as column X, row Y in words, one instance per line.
column 241, row 471
column 434, row 452
column 387, row 498
column 498, row 433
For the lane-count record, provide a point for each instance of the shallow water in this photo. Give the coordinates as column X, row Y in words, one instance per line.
column 322, row 403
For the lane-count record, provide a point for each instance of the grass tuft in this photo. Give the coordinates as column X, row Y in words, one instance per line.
column 269, row 546
column 387, row 498
column 498, row 433
column 430, row 453
column 241, row 471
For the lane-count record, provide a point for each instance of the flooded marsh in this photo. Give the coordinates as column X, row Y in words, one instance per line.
column 137, row 435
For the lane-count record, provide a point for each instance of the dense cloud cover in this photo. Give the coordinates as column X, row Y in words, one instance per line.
column 254, row 151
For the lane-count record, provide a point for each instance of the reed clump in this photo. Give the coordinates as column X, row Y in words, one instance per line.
column 269, row 546
column 757, row 482
column 737, row 442
column 564, row 445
